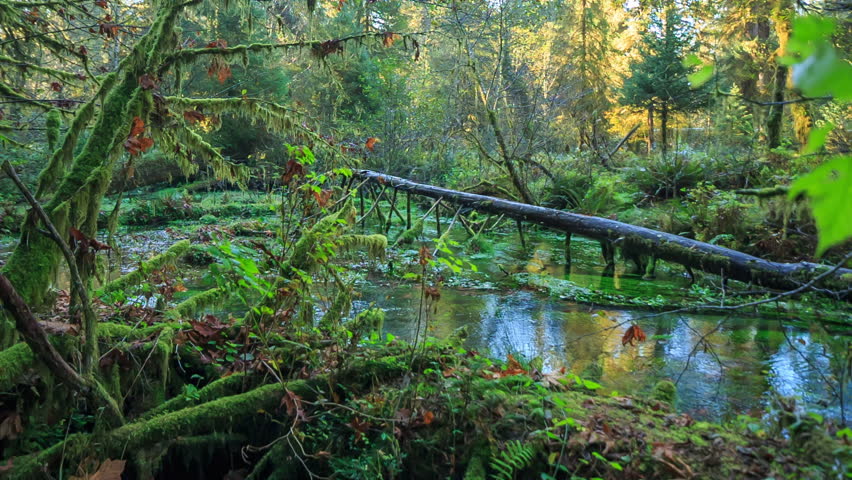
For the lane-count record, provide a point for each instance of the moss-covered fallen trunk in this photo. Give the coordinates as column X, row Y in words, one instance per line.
column 445, row 413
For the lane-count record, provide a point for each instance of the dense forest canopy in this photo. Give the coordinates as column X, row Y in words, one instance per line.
column 198, row 196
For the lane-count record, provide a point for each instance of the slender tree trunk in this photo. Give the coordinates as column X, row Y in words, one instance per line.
column 650, row 128
column 775, row 120
column 664, row 126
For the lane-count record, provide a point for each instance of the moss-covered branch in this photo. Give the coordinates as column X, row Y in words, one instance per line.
column 138, row 276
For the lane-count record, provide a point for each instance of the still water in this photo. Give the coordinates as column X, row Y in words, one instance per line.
column 746, row 361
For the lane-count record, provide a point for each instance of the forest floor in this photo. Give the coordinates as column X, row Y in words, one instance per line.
column 210, row 396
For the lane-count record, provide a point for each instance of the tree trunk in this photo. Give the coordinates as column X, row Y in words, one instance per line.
column 664, row 125
column 650, row 128
column 665, row 246
column 775, row 120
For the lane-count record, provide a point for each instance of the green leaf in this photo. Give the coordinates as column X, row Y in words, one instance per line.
column 591, row 385
column 700, row 77
column 829, row 189
column 817, row 138
column 816, row 416
column 691, row 60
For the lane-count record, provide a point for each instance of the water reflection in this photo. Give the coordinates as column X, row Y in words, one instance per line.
column 744, row 360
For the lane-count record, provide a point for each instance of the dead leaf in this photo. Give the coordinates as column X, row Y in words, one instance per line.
column 428, row 417
column 359, row 427
column 322, row 197
column 193, row 116
column 109, row 470
column 371, row 143
column 633, row 333
column 147, row 82
column 388, row 38
column 11, row 427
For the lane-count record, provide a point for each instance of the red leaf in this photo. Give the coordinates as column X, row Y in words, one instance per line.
column 322, row 197
column 293, row 169
column 101, row 3
column 137, row 127
column 218, row 44
column 56, row 86
column 83, row 50
column 78, row 236
column 633, row 333
column 428, row 416
column 371, row 143
column 388, row 38
column 293, row 404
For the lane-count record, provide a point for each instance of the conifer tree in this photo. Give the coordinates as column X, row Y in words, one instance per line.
column 658, row 81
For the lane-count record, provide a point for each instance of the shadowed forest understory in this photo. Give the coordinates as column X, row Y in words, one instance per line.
column 252, row 239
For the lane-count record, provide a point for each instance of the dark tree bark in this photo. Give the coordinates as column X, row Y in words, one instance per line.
column 665, row 246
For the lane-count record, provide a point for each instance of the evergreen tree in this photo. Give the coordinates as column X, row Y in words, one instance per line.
column 658, row 81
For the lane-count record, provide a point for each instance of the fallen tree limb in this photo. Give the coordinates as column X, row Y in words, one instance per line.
column 41, row 348
column 768, row 192
column 138, row 276
column 665, row 246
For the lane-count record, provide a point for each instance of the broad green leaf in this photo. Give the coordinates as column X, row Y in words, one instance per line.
column 691, row 60
column 700, row 77
column 817, row 138
column 591, row 385
column 829, row 189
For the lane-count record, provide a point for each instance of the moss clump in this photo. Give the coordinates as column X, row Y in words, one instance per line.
column 411, row 235
column 208, row 219
column 14, row 361
column 194, row 304
column 665, row 391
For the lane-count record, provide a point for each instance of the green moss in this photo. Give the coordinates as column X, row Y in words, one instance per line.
column 137, row 277
column 196, row 303
column 14, row 362
column 412, row 234
column 52, row 123
column 665, row 391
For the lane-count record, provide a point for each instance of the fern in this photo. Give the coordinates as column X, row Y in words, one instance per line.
column 514, row 458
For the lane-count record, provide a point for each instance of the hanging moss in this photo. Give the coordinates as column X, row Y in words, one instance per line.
column 367, row 322
column 137, row 277
column 411, row 235
column 339, row 308
column 51, row 124
column 376, row 245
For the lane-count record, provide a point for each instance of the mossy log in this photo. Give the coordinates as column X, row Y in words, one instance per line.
column 138, row 276
column 709, row 258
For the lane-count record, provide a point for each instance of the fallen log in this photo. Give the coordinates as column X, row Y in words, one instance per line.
column 709, row 258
